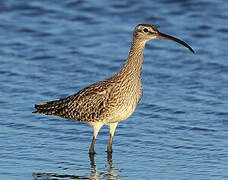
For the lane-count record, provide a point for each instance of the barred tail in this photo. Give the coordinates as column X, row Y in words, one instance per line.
column 57, row 107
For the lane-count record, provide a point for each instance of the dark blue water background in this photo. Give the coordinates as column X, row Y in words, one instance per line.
column 51, row 49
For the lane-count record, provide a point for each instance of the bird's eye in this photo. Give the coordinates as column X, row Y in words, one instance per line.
column 145, row 30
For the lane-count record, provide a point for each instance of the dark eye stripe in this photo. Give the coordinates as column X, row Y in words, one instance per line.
column 145, row 30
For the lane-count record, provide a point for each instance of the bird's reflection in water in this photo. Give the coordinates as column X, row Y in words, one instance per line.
column 109, row 172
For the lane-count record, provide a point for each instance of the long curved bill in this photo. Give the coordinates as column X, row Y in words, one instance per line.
column 165, row 36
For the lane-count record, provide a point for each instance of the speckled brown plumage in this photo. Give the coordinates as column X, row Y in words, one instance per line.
column 113, row 100
column 91, row 104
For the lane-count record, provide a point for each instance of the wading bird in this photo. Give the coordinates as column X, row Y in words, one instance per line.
column 113, row 100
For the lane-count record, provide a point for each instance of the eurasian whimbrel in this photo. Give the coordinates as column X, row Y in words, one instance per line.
column 113, row 100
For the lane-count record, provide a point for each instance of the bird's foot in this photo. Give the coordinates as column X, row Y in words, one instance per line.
column 92, row 152
column 109, row 150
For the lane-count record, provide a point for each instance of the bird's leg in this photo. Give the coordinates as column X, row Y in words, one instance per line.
column 91, row 149
column 96, row 129
column 112, row 131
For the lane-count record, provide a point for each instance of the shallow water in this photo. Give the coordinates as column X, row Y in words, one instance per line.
column 51, row 50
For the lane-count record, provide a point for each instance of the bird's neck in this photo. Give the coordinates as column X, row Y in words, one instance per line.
column 133, row 65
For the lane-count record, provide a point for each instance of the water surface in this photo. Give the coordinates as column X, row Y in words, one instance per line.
column 51, row 50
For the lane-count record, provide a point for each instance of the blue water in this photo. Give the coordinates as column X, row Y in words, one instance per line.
column 51, row 49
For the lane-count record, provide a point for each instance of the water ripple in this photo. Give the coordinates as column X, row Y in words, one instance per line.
column 51, row 50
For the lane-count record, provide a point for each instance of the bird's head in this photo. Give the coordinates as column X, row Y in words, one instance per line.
column 146, row 32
